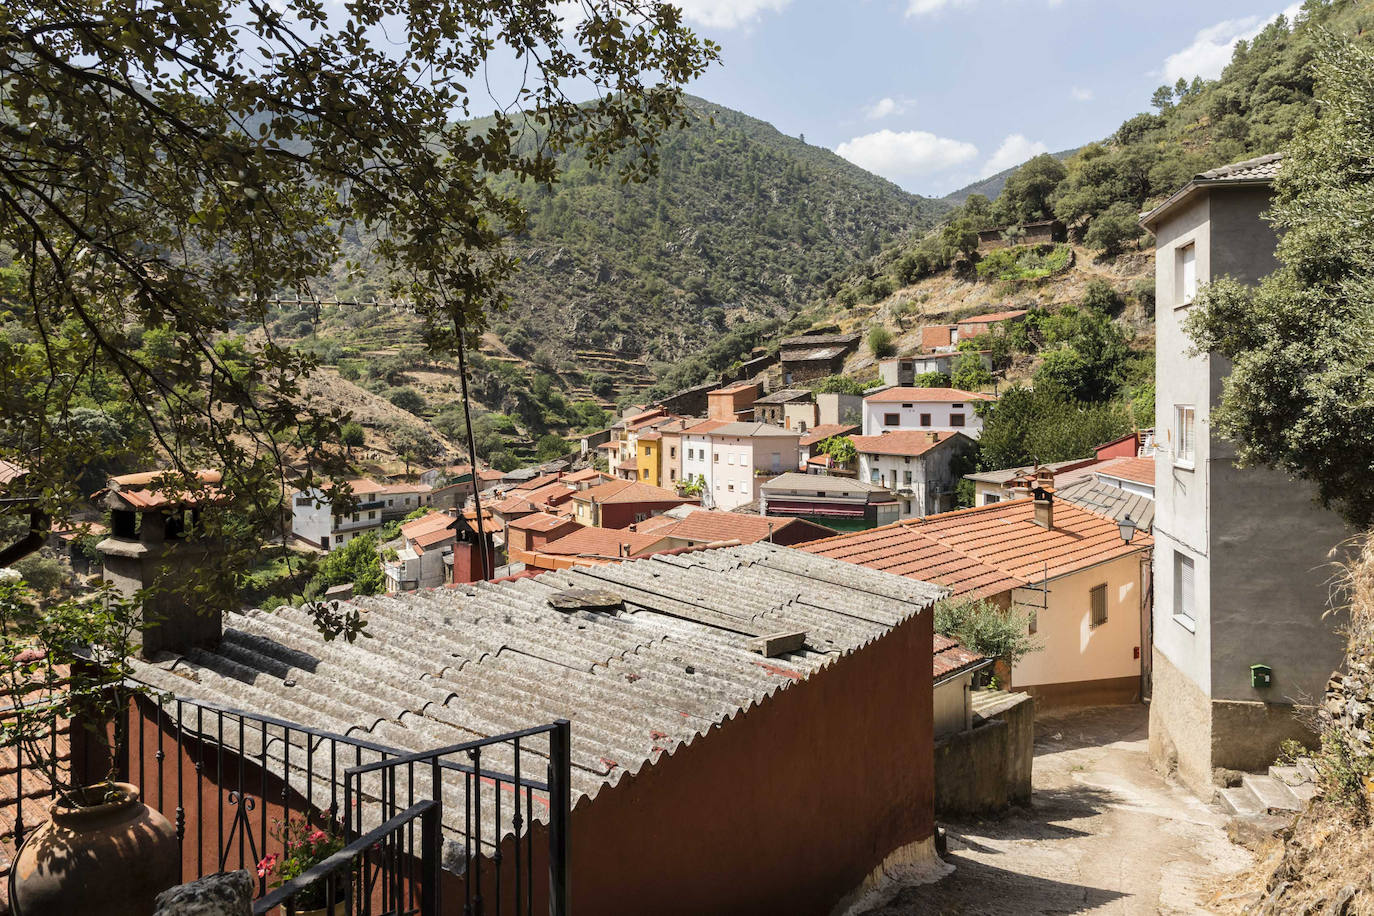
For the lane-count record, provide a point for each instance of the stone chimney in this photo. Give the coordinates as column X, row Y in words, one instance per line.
column 1044, row 507
column 154, row 544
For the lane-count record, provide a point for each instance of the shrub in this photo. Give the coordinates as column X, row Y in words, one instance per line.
column 931, row 380
column 880, row 343
column 408, row 399
column 985, row 628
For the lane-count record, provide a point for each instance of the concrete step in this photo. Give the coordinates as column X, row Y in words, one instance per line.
column 1296, row 780
column 1240, row 801
column 1273, row 795
column 1308, row 771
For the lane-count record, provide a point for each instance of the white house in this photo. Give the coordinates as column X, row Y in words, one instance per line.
column 924, row 408
column 313, row 519
column 426, row 558
column 920, row 466
column 732, row 459
column 744, row 455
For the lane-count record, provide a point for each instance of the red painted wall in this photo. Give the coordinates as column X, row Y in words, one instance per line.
column 785, row 808
column 1125, row 447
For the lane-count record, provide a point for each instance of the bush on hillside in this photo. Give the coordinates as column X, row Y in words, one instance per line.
column 880, row 343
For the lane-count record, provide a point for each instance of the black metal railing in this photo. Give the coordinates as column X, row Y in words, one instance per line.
column 371, row 868
column 497, row 847
column 226, row 778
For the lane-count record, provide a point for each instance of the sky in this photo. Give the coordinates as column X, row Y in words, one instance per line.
column 935, row 94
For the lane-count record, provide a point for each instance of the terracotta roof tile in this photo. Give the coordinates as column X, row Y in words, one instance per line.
column 628, row 491
column 926, row 396
column 825, row 431
column 987, row 550
column 540, row 521
column 1136, row 470
column 911, row 442
column 707, row 525
column 951, row 657
column 602, row 542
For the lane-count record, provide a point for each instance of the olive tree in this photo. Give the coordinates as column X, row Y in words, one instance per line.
column 167, row 170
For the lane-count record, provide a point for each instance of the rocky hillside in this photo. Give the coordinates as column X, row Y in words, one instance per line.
column 742, row 222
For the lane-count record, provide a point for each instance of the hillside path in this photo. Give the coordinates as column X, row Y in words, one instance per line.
column 1105, row 833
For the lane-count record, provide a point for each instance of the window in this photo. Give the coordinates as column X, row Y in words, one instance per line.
column 873, row 475
column 355, row 516
column 1033, row 625
column 906, row 507
column 956, row 419
column 730, row 487
column 644, row 474
column 672, row 474
column 956, row 407
column 990, row 498
column 906, row 478
column 744, row 459
column 730, row 459
column 777, row 459
column 1098, row 599
column 1185, row 270
column 1185, row 435
column 390, row 502
column 716, row 457
column 908, row 406
column 1183, row 588
column 672, row 451
column 641, row 516
column 891, row 419
column 372, row 514
column 925, row 419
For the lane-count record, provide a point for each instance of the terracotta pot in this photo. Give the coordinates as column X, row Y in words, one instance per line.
column 112, row 858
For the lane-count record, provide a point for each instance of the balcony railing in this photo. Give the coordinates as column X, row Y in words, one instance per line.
column 224, row 777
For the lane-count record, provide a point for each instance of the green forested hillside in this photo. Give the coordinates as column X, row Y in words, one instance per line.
column 742, row 222
column 1255, row 107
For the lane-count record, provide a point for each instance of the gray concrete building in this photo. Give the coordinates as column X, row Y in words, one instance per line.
column 1242, row 556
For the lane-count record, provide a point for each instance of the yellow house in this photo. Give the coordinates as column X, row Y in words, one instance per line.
column 647, row 456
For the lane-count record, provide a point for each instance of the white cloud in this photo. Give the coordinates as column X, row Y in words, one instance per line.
column 1081, row 95
column 907, row 154
column 1211, row 49
column 728, row 14
column 1014, row 150
column 886, row 107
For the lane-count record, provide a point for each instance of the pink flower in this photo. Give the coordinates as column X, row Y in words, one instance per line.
column 315, row 835
column 266, row 865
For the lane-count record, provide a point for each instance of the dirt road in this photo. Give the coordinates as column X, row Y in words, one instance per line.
column 1105, row 834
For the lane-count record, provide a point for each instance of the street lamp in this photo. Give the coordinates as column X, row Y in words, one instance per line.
column 1127, row 528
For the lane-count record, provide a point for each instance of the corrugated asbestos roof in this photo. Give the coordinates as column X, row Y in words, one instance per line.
column 456, row 664
column 1110, row 500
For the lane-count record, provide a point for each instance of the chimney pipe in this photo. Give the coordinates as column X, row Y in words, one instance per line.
column 1044, row 507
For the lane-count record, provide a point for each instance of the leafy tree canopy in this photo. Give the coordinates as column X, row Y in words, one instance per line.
column 167, row 169
column 1027, row 427
column 1300, row 395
